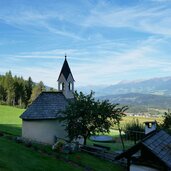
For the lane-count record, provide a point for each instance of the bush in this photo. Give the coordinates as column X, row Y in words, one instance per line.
column 18, row 140
column 167, row 120
column 28, row 144
column 134, row 130
column 2, row 103
column 58, row 146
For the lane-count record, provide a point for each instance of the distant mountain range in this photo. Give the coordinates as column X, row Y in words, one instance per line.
column 155, row 92
column 136, row 99
column 157, row 86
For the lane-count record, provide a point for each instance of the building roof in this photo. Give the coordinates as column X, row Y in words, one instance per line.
column 65, row 70
column 47, row 106
column 158, row 143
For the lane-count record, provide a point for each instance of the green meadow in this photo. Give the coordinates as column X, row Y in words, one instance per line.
column 10, row 115
column 9, row 119
column 18, row 157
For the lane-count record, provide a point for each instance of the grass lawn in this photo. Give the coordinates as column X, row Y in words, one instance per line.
column 16, row 157
column 95, row 163
column 9, row 119
column 114, row 146
column 10, row 115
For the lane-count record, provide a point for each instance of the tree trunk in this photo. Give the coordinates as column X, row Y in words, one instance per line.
column 123, row 146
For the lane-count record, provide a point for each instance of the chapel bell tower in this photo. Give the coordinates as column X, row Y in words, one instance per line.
column 66, row 80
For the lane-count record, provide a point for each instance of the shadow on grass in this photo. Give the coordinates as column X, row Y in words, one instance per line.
column 14, row 129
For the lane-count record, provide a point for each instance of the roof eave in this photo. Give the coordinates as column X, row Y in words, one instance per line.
column 35, row 119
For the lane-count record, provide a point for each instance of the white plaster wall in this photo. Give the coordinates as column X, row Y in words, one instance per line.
column 141, row 168
column 43, row 130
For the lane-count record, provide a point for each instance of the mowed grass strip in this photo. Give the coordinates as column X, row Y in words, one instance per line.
column 16, row 157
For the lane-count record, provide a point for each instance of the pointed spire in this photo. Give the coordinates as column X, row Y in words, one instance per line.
column 65, row 69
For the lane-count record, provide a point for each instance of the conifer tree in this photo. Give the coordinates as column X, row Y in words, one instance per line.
column 37, row 89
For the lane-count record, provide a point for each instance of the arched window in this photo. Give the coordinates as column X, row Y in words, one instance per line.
column 70, row 86
column 62, row 86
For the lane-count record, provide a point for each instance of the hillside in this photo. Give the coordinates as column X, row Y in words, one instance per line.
column 148, row 100
column 139, row 94
column 157, row 86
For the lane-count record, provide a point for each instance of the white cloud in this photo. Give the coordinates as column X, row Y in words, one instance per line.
column 36, row 21
column 96, row 59
column 152, row 19
column 140, row 59
column 101, row 66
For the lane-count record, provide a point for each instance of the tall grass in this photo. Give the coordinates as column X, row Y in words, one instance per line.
column 134, row 130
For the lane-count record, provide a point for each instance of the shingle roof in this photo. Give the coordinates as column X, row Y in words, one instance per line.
column 160, row 145
column 65, row 70
column 46, row 106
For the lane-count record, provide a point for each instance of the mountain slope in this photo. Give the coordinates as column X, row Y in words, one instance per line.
column 158, row 86
column 148, row 100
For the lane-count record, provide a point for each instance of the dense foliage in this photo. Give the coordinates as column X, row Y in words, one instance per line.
column 134, row 125
column 85, row 116
column 167, row 120
column 134, row 130
column 16, row 91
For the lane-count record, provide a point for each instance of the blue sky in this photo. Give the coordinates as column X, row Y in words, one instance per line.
column 106, row 41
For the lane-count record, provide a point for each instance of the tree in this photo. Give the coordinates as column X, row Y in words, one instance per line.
column 37, row 89
column 167, row 120
column 85, row 116
column 3, row 93
column 29, row 87
column 9, row 86
column 20, row 91
column 17, row 91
